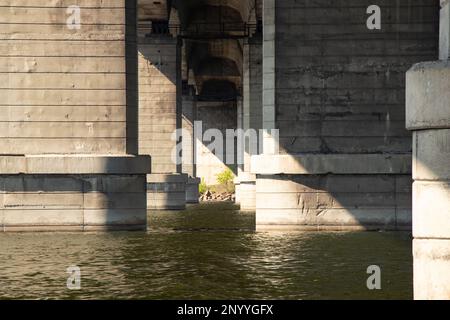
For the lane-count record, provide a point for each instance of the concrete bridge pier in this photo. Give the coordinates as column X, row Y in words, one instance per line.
column 160, row 115
column 428, row 116
column 189, row 143
column 68, row 149
column 250, row 119
column 341, row 157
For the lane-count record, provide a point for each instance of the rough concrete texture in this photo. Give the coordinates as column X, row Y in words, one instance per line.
column 166, row 191
column 75, row 164
column 332, row 163
column 431, row 154
column 62, row 90
column 158, row 114
column 431, row 265
column 370, row 202
column 192, row 190
column 189, row 115
column 245, row 185
column 431, row 209
column 252, row 118
column 427, row 84
column 340, row 88
column 444, row 38
column 68, row 111
column 247, row 195
column 66, row 202
column 340, row 97
column 428, row 113
column 252, row 93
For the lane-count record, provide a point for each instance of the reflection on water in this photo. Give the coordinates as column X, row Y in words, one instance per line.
column 209, row 252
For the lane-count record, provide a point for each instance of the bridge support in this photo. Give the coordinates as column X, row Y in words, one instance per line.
column 340, row 158
column 69, row 111
column 428, row 116
column 160, row 112
column 250, row 120
column 189, row 147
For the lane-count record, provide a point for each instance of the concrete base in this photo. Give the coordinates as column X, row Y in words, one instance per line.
column 431, row 266
column 73, row 193
column 237, row 191
column 246, row 191
column 428, row 115
column 166, row 191
column 334, row 202
column 333, row 192
column 192, row 190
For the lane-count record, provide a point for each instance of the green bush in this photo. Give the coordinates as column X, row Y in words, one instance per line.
column 203, row 188
column 225, row 177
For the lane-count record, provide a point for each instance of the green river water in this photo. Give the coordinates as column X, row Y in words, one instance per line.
column 206, row 252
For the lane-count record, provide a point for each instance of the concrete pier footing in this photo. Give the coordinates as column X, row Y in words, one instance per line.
column 237, row 192
column 246, row 191
column 192, row 190
column 327, row 192
column 73, row 193
column 428, row 116
column 166, row 191
column 69, row 111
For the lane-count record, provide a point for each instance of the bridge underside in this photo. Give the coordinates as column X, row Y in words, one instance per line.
column 83, row 108
column 334, row 89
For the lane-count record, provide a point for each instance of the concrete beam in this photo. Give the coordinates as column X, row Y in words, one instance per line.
column 75, row 164
column 318, row 164
column 427, row 95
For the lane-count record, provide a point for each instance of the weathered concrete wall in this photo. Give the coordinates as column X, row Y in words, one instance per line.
column 62, row 90
column 166, row 191
column 253, row 84
column 428, row 116
column 70, row 95
column 158, row 101
column 160, row 115
column 220, row 116
column 188, row 121
column 340, row 92
column 72, row 193
column 332, row 202
column 340, row 88
column 252, row 118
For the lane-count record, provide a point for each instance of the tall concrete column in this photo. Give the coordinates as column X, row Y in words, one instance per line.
column 68, row 119
column 251, row 119
column 269, row 76
column 159, row 117
column 189, row 147
column 240, row 167
column 344, row 156
column 428, row 116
